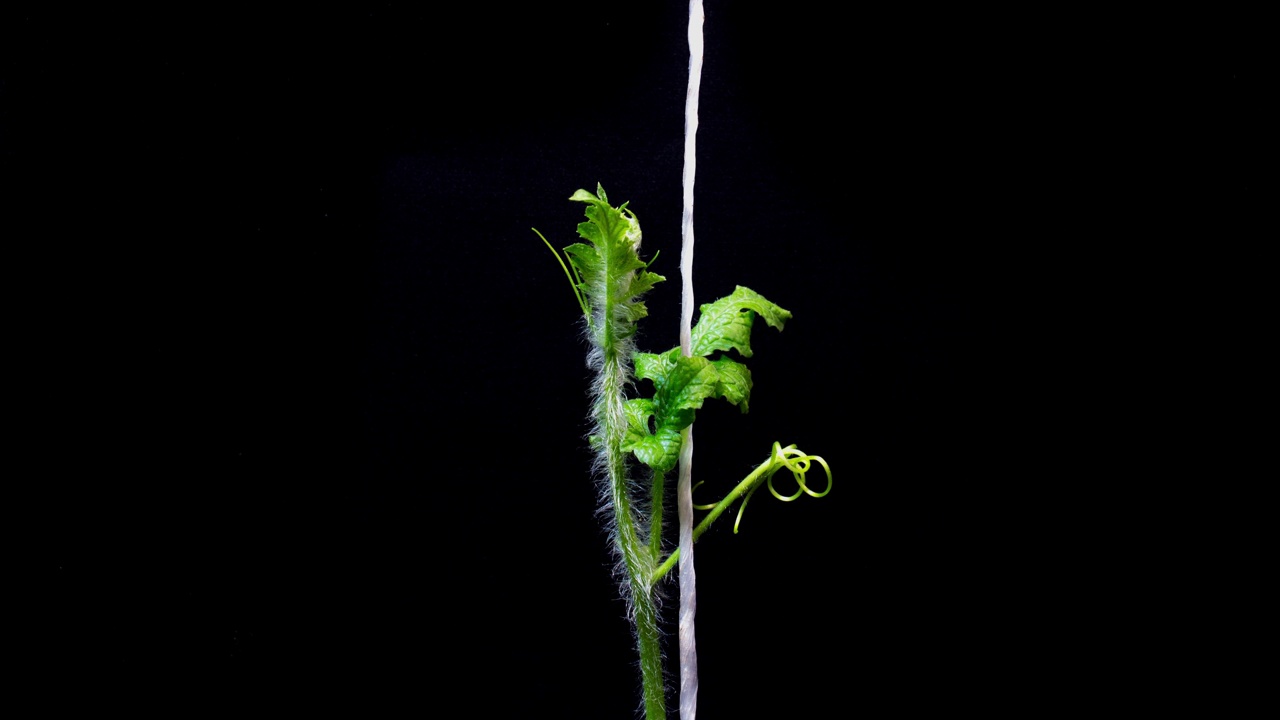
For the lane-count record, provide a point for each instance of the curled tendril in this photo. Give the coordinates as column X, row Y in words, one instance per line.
column 798, row 467
column 782, row 457
column 795, row 461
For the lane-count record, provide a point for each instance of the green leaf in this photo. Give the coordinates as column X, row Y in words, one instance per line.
column 642, row 283
column 638, row 412
column 680, row 383
column 583, row 196
column 681, row 386
column 655, row 367
column 726, row 323
column 662, row 452
column 659, row 450
column 586, row 263
column 735, row 382
column 691, row 381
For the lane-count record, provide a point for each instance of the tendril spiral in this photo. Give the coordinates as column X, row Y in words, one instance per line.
column 790, row 458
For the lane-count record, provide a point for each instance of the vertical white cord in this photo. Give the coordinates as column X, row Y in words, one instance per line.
column 688, row 596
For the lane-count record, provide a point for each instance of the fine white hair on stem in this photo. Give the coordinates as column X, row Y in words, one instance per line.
column 684, row 497
column 610, row 299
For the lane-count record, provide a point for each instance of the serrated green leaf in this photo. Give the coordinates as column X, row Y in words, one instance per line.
column 681, row 385
column 726, row 323
column 642, row 283
column 679, row 382
column 691, row 381
column 659, row 450
column 638, row 412
column 653, row 366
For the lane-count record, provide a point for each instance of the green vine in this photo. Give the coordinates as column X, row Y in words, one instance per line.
column 608, row 279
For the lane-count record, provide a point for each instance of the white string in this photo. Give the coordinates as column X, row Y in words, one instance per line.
column 688, row 596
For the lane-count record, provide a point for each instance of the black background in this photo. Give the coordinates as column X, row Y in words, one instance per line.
column 314, row 416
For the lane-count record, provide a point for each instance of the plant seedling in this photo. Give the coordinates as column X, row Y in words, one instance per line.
column 609, row 279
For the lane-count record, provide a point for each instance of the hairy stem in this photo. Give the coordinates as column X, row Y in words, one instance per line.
column 636, row 557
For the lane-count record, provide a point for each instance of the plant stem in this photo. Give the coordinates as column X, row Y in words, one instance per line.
column 638, row 560
column 636, row 557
